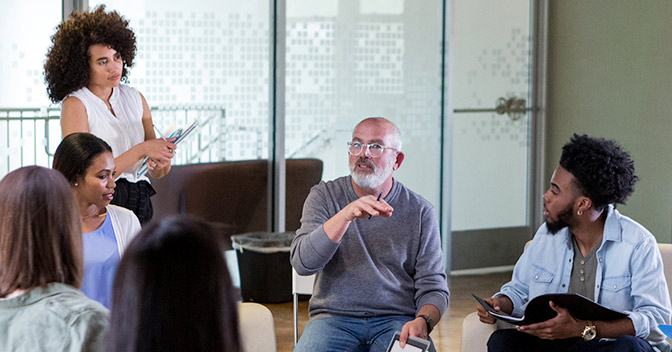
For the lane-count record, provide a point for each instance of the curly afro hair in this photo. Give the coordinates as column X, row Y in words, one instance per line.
column 604, row 172
column 67, row 67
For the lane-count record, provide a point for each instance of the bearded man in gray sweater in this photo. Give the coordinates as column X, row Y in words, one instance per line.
column 375, row 247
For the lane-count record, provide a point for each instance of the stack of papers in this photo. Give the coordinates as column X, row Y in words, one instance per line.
column 180, row 134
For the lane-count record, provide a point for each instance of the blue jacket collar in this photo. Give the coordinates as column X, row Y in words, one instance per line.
column 612, row 228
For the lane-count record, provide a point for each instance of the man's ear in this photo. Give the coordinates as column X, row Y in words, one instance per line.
column 584, row 203
column 399, row 159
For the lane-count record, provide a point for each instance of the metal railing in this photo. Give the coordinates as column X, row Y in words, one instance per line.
column 29, row 136
column 320, row 140
column 207, row 143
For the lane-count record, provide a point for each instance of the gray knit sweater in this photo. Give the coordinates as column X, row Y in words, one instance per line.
column 382, row 266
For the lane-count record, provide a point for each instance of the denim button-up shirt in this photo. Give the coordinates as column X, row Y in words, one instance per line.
column 629, row 275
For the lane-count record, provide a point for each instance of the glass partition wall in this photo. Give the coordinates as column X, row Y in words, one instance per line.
column 424, row 64
column 206, row 60
column 26, row 123
column 351, row 59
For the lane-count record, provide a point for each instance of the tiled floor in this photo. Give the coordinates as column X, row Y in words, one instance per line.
column 446, row 334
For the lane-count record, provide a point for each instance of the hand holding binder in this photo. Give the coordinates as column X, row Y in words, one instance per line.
column 179, row 135
column 539, row 310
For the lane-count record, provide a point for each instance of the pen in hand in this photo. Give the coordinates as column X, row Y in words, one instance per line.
column 377, row 200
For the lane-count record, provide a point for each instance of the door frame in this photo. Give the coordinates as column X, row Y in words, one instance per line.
column 500, row 247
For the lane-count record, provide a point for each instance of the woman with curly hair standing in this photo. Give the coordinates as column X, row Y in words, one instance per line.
column 90, row 56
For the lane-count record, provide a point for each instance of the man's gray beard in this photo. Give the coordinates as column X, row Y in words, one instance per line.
column 373, row 180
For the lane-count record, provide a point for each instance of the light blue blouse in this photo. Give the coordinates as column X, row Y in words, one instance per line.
column 101, row 257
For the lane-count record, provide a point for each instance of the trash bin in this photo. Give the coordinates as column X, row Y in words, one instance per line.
column 263, row 262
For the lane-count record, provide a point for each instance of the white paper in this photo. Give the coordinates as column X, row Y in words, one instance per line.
column 397, row 348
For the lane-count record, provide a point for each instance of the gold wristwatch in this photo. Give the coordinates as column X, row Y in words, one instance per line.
column 589, row 332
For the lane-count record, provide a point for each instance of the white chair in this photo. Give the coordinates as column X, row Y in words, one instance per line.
column 475, row 334
column 257, row 328
column 301, row 285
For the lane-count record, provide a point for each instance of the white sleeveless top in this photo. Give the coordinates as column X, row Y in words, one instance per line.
column 122, row 131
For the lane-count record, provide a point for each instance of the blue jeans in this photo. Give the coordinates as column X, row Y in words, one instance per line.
column 511, row 340
column 347, row 334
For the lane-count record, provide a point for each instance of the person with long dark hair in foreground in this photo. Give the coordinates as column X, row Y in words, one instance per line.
column 173, row 292
column 41, row 268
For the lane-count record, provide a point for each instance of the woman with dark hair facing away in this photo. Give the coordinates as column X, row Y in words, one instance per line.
column 173, row 292
column 41, row 267
column 86, row 162
column 90, row 56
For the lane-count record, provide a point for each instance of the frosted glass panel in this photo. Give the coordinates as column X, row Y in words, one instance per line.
column 206, row 59
column 489, row 171
column 353, row 59
column 26, row 28
column 490, row 61
column 490, row 151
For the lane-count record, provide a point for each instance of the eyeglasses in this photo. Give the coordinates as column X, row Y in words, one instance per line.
column 375, row 150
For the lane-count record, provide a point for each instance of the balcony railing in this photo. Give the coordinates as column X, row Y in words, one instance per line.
column 29, row 136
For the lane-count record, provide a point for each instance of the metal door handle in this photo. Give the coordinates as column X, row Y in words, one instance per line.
column 513, row 107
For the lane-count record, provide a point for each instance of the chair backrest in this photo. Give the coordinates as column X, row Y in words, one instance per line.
column 666, row 254
column 233, row 195
column 302, row 285
column 257, row 329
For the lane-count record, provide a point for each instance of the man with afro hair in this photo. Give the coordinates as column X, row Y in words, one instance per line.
column 587, row 247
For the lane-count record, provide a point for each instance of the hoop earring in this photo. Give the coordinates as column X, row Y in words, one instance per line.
column 579, row 213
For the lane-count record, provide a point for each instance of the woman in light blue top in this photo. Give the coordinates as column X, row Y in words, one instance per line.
column 87, row 163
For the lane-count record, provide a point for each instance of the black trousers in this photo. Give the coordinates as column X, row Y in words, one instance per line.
column 135, row 197
column 509, row 340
